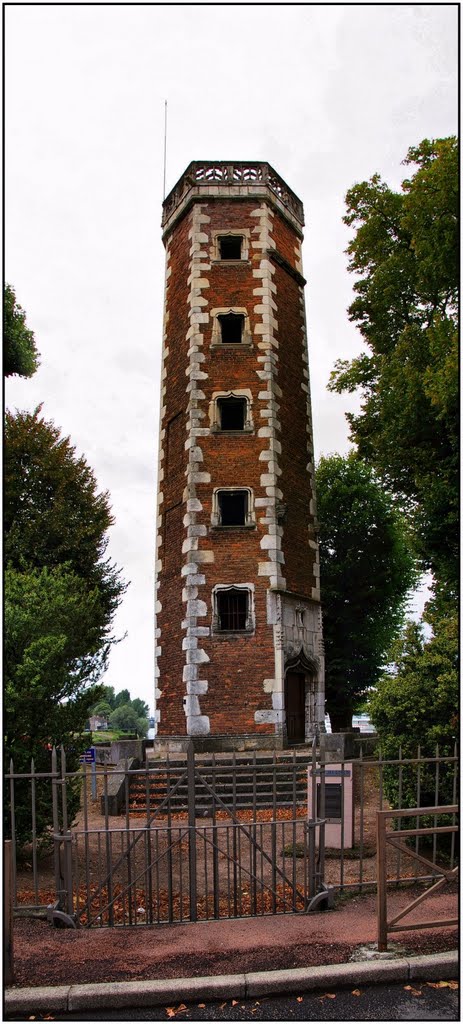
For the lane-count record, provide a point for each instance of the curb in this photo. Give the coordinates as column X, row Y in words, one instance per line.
column 116, row 995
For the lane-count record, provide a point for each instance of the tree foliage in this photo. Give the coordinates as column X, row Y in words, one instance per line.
column 416, row 703
column 53, row 513
column 20, row 355
column 126, row 719
column 405, row 255
column 52, row 660
column 366, row 571
column 60, row 595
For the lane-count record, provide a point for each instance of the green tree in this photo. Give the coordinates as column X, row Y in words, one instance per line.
column 366, row 572
column 416, row 704
column 20, row 355
column 62, row 593
column 102, row 708
column 405, row 255
column 123, row 697
column 140, row 707
column 52, row 660
column 53, row 513
column 126, row 719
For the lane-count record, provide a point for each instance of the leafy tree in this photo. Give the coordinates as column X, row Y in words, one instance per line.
column 61, row 592
column 20, row 355
column 366, row 571
column 102, row 708
column 52, row 660
column 416, row 704
column 405, row 253
column 140, row 707
column 126, row 719
column 53, row 514
column 123, row 697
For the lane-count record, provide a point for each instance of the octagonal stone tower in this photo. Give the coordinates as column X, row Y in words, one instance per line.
column 239, row 634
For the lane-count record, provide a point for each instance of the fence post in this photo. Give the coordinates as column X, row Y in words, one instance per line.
column 192, row 829
column 381, row 899
column 8, row 913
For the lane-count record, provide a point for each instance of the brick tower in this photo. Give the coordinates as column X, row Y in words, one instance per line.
column 239, row 636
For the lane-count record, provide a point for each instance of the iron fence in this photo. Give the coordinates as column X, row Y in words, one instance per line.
column 199, row 838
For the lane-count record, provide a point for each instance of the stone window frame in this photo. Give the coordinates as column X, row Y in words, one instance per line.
column 251, row 610
column 250, row 514
column 225, row 232
column 216, row 339
column 214, row 415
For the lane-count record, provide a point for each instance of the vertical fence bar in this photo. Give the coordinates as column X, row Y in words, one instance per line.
column 8, row 896
column 131, row 895
column 13, row 829
column 254, row 835
column 148, row 850
column 454, row 800
column 34, row 832
column 274, row 838
column 109, row 867
column 192, row 831
column 215, row 844
column 67, row 852
column 400, row 805
column 436, row 803
column 56, row 829
column 86, row 841
column 361, row 818
column 418, row 796
column 381, row 902
column 343, row 768
column 169, row 838
column 322, row 814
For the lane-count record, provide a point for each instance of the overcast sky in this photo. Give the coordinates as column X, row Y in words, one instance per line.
column 326, row 94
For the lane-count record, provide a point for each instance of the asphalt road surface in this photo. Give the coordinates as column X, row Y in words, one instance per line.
column 393, row 1002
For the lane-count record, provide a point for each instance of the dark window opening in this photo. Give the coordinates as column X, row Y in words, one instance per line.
column 233, row 507
column 232, row 609
column 230, row 247
column 231, row 325
column 333, row 800
column 232, row 413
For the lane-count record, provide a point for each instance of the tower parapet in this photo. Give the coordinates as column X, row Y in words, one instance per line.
column 231, row 180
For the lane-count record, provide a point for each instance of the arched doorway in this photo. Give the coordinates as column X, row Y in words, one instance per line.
column 295, row 707
column 300, row 698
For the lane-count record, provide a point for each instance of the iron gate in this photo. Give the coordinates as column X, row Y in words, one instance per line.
column 240, row 861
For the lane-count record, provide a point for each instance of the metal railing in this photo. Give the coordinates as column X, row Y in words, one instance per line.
column 395, row 839
column 217, row 836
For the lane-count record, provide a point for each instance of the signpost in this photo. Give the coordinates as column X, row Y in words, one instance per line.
column 88, row 757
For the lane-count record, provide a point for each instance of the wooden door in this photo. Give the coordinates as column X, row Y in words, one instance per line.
column 295, row 707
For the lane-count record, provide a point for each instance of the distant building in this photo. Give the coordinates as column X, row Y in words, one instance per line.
column 98, row 723
column 239, row 629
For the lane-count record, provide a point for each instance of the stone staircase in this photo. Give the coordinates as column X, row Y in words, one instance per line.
column 241, row 782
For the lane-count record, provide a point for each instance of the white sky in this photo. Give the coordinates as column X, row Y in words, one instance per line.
column 326, row 94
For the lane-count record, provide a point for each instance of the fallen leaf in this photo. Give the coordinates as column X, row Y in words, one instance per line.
column 453, row 984
column 181, row 1008
column 170, row 1010
column 356, row 992
column 299, row 998
column 201, row 1006
column 234, row 1002
column 222, row 1006
column 432, row 984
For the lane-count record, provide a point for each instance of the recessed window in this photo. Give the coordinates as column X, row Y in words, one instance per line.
column 232, row 610
column 230, row 247
column 233, row 507
column 232, row 413
column 231, row 328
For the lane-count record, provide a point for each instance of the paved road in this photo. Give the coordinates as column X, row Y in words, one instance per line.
column 393, row 1002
